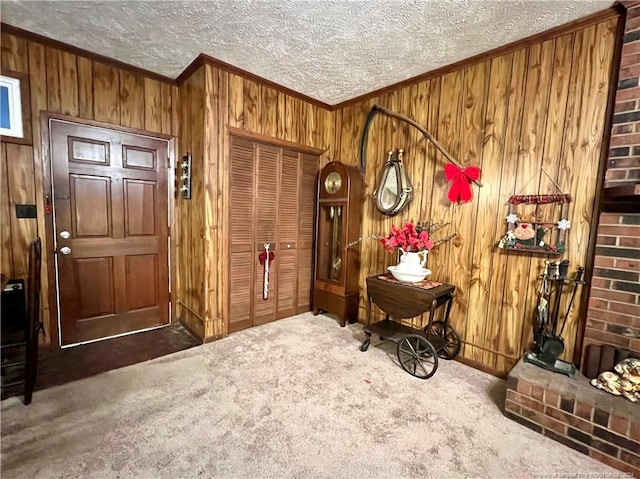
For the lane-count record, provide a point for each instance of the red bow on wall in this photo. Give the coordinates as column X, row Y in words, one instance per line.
column 460, row 190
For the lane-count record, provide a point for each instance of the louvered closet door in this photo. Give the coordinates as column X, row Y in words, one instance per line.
column 307, row 181
column 272, row 200
column 242, row 255
column 267, row 161
column 287, row 260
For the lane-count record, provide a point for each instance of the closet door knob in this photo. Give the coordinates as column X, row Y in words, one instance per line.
column 288, row 245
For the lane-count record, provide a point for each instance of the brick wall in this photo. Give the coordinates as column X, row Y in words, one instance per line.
column 624, row 153
column 574, row 413
column 613, row 316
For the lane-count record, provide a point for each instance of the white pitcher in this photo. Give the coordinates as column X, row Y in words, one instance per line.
column 412, row 261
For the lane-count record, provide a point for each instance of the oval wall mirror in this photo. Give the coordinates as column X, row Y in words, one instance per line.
column 394, row 192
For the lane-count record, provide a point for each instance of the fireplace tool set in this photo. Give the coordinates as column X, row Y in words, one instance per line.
column 549, row 343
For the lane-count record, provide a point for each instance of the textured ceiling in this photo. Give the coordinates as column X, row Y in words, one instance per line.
column 331, row 50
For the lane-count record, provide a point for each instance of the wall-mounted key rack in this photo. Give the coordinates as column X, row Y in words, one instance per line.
column 185, row 177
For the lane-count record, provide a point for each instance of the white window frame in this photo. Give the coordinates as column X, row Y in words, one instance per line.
column 15, row 107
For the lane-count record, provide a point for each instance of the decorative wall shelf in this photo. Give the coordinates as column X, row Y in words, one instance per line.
column 525, row 234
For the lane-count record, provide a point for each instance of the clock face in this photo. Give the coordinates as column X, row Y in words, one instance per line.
column 333, row 183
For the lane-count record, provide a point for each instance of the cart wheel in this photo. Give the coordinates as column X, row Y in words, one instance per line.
column 454, row 342
column 417, row 356
column 365, row 345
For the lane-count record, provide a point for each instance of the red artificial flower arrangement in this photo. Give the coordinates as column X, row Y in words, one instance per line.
column 410, row 238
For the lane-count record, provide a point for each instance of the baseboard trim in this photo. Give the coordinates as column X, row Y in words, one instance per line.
column 190, row 330
column 482, row 367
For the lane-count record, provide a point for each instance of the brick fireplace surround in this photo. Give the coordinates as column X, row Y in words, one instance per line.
column 570, row 410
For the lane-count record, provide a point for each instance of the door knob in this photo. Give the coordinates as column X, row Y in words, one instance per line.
column 65, row 250
column 65, row 235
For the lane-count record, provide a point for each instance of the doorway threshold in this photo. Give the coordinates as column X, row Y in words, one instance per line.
column 61, row 366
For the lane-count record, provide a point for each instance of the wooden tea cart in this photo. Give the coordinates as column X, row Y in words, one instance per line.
column 417, row 349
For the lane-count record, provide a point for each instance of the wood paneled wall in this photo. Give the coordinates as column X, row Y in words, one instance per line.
column 232, row 101
column 190, row 292
column 65, row 83
column 538, row 107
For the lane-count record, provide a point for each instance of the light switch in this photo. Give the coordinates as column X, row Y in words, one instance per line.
column 26, row 211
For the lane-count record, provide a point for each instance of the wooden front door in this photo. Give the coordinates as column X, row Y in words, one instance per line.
column 110, row 225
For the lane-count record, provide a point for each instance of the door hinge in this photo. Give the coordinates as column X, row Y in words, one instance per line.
column 168, row 162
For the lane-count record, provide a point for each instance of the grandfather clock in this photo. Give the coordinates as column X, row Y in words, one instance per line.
column 339, row 209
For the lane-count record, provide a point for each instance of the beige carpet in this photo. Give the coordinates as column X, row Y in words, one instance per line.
column 295, row 398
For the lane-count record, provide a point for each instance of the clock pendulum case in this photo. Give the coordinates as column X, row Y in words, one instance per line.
column 339, row 209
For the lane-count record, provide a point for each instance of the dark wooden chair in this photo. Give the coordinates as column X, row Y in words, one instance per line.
column 19, row 342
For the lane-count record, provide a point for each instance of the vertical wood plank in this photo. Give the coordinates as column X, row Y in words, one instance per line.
column 321, row 122
column 269, row 111
column 465, row 216
column 594, row 50
column 132, row 98
column 85, row 88
column 415, row 103
column 533, row 144
column 281, row 126
column 152, row 105
column 498, row 294
column 38, row 95
column 236, row 101
column 13, row 53
column 6, row 257
column 68, row 72
column 211, row 268
column 175, row 111
column 106, row 93
column 488, row 198
column 311, row 126
column 516, row 310
column 431, row 154
column 197, row 224
column 553, row 142
column 53, row 59
column 344, row 134
column 451, row 96
column 179, row 216
column 222, row 201
column 290, row 118
column 392, row 135
column 191, row 234
column 167, row 107
column 252, row 106
column 21, row 191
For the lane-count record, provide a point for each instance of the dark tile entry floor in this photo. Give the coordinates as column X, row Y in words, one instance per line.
column 61, row 366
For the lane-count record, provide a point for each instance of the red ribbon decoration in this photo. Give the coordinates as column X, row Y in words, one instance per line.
column 265, row 263
column 263, row 257
column 460, row 190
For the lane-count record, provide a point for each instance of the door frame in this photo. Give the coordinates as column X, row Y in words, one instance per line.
column 49, row 264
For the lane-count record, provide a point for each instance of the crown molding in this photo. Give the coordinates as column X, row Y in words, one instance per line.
column 204, row 59
column 615, row 11
column 50, row 42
